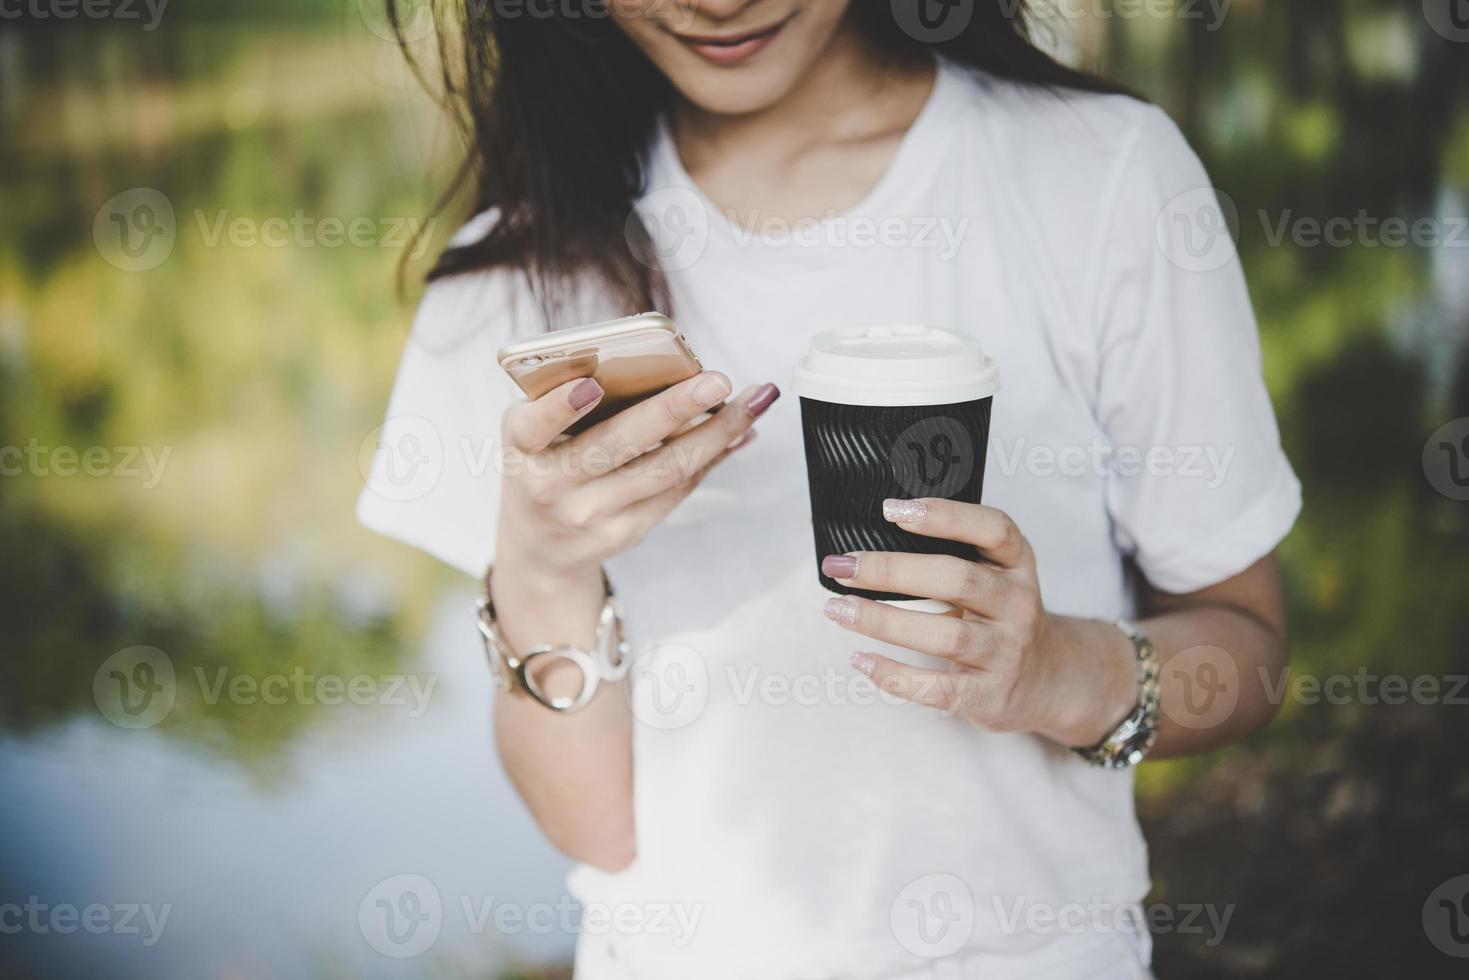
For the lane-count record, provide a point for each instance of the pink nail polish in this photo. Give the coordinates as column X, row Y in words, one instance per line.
column 586, row 391
column 865, row 662
column 841, row 610
column 904, row 511
column 762, row 399
column 839, row 566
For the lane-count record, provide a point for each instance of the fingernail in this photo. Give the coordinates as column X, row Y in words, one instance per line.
column 904, row 511
column 711, row 388
column 586, row 391
column 842, row 611
column 839, row 566
column 865, row 662
column 762, row 399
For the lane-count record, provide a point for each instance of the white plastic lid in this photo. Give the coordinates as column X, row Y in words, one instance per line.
column 897, row 365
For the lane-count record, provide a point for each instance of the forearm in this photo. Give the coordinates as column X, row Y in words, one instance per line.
column 1216, row 665
column 574, row 771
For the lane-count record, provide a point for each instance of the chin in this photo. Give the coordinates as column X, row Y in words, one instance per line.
column 734, row 92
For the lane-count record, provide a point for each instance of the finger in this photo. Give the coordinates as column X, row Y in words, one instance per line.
column 637, row 429
column 960, row 640
column 531, row 426
column 941, row 689
column 977, row 587
column 987, row 528
column 680, row 458
column 590, row 508
column 647, row 513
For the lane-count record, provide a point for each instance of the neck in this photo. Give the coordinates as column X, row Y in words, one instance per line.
column 848, row 93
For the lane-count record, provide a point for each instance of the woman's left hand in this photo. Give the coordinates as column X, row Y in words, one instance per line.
column 1012, row 665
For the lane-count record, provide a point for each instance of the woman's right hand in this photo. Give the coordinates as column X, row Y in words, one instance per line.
column 570, row 503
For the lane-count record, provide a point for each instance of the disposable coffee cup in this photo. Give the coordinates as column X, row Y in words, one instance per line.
column 901, row 412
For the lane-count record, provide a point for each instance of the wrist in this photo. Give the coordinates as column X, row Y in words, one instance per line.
column 1097, row 686
column 538, row 603
column 521, row 574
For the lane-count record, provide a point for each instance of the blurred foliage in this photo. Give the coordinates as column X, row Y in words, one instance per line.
column 1317, row 111
column 254, row 375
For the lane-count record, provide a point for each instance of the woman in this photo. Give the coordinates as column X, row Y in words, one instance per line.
column 744, row 804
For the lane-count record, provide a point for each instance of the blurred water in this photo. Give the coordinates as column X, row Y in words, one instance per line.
column 267, row 880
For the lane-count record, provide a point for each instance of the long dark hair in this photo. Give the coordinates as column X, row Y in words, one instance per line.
column 557, row 110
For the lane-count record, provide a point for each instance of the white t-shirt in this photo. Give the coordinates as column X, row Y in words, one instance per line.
column 810, row 827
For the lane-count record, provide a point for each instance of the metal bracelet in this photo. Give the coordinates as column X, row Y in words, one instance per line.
column 520, row 673
column 1129, row 743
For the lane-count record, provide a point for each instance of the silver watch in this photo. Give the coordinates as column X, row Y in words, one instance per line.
column 521, row 673
column 1131, row 740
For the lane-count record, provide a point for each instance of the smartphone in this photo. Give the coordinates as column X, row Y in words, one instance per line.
column 632, row 359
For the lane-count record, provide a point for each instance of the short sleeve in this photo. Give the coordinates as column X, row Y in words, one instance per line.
column 1199, row 487
column 434, row 482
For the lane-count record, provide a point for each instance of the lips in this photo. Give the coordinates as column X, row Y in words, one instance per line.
column 731, row 49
